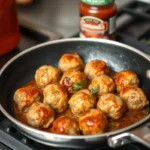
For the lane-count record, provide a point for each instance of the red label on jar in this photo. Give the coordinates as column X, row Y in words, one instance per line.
column 93, row 27
column 93, row 24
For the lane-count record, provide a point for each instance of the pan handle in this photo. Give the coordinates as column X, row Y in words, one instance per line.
column 140, row 134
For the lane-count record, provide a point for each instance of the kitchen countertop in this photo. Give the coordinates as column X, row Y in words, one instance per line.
column 58, row 16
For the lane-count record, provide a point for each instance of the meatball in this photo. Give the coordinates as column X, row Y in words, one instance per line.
column 56, row 96
column 40, row 115
column 103, row 84
column 81, row 102
column 95, row 68
column 68, row 113
column 70, row 61
column 125, row 78
column 25, row 96
column 134, row 97
column 113, row 106
column 92, row 122
column 65, row 125
column 73, row 81
column 47, row 74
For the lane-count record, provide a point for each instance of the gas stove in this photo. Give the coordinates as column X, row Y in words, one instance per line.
column 133, row 28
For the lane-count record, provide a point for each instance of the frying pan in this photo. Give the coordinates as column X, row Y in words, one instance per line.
column 21, row 69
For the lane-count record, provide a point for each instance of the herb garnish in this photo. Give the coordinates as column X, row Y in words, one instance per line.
column 56, row 91
column 77, row 86
column 94, row 90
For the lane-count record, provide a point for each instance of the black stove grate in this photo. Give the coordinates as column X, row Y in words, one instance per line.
column 133, row 25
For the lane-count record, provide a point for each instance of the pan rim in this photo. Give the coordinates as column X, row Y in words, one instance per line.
column 47, row 134
column 76, row 39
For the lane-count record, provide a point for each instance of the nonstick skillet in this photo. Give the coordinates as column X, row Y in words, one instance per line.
column 21, row 69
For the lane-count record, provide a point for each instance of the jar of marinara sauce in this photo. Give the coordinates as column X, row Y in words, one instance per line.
column 97, row 19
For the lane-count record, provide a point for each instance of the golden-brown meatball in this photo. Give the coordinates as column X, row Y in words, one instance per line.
column 125, row 78
column 70, row 61
column 95, row 68
column 134, row 97
column 93, row 121
column 40, row 115
column 25, row 96
column 56, row 96
column 103, row 83
column 67, row 113
column 81, row 102
column 113, row 106
column 47, row 74
column 73, row 81
column 65, row 125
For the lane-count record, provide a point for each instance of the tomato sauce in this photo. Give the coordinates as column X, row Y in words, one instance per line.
column 130, row 117
column 97, row 19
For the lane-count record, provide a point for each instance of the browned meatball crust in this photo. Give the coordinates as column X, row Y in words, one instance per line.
column 70, row 61
column 25, row 96
column 92, row 122
column 65, row 125
column 47, row 74
column 81, row 102
column 95, row 68
column 134, row 97
column 40, row 115
column 68, row 113
column 56, row 96
column 125, row 78
column 104, row 83
column 73, row 81
column 113, row 106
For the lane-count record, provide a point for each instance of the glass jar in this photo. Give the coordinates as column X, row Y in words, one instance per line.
column 9, row 28
column 98, row 19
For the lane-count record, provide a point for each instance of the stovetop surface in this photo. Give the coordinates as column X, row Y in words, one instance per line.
column 133, row 28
